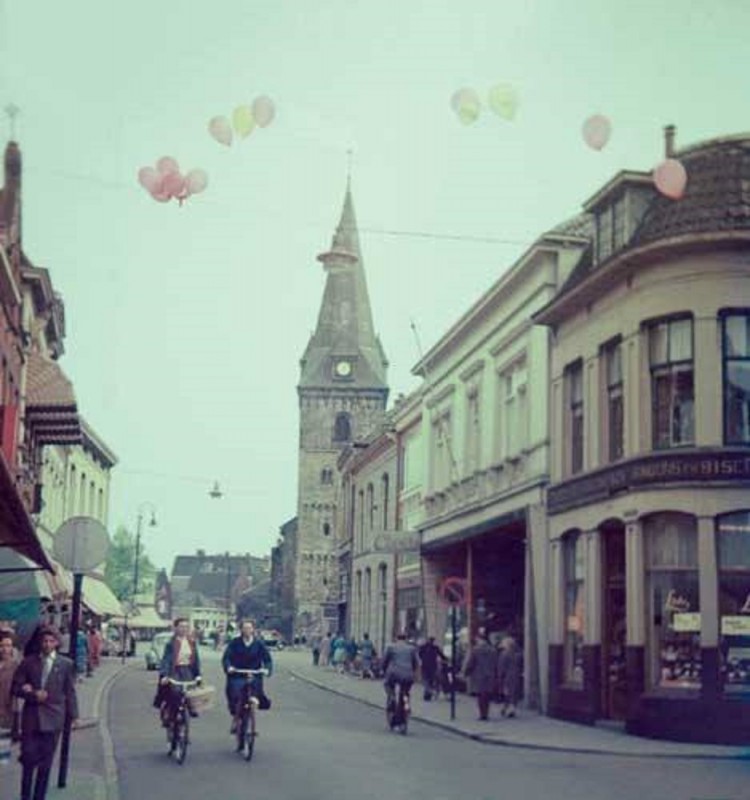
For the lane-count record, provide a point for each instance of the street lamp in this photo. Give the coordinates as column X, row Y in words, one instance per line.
column 146, row 506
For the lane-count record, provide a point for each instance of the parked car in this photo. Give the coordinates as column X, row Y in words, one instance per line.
column 272, row 639
column 156, row 650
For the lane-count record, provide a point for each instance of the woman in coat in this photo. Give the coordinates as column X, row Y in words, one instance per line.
column 509, row 675
column 8, row 664
column 481, row 670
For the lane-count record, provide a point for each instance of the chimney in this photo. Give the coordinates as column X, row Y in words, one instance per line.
column 669, row 134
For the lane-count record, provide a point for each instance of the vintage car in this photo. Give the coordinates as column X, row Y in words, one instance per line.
column 155, row 650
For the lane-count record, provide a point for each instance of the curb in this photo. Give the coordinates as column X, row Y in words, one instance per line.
column 111, row 783
column 476, row 737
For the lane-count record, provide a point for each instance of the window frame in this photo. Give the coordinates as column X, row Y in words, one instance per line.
column 609, row 390
column 573, row 465
column 724, row 315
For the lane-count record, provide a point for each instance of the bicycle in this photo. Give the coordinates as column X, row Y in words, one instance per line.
column 178, row 732
column 244, row 719
column 397, row 709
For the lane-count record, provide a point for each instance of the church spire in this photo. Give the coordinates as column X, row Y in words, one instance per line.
column 344, row 349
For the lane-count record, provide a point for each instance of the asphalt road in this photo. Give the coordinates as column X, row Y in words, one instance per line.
column 317, row 745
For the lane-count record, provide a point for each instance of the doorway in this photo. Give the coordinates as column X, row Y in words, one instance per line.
column 614, row 622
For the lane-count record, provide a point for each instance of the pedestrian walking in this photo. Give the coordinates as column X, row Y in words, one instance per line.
column 481, row 670
column 46, row 683
column 429, row 657
column 351, row 654
column 82, row 653
column 315, row 643
column 9, row 705
column 509, row 675
column 325, row 650
column 338, row 647
column 367, row 654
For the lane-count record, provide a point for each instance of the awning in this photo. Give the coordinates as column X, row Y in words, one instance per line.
column 17, row 531
column 99, row 598
column 146, row 618
column 21, row 578
column 51, row 409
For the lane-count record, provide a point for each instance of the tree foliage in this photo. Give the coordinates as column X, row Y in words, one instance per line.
column 118, row 571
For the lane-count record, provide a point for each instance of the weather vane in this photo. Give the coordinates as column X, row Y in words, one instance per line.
column 349, row 156
column 11, row 111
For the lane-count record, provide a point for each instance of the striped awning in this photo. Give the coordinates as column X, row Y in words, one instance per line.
column 51, row 409
column 99, row 598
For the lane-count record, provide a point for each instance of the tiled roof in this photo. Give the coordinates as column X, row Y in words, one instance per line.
column 46, row 383
column 717, row 198
column 581, row 226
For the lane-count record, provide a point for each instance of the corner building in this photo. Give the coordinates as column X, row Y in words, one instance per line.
column 648, row 505
column 343, row 393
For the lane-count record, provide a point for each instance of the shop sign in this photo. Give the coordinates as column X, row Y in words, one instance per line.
column 735, row 626
column 396, row 541
column 706, row 466
column 687, row 622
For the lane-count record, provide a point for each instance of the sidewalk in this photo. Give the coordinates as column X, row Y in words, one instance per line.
column 529, row 729
column 91, row 773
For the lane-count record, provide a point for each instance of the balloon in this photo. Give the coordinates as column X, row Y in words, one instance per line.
column 596, row 131
column 670, row 178
column 503, row 100
column 166, row 165
column 243, row 121
column 173, row 184
column 221, row 130
column 148, row 177
column 196, row 181
column 466, row 103
column 159, row 193
column 263, row 111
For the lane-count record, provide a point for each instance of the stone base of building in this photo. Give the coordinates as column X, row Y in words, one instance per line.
column 705, row 716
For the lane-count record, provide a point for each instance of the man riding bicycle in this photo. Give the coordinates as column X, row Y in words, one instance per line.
column 400, row 664
column 247, row 651
column 181, row 662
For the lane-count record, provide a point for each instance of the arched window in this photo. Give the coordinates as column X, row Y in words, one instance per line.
column 342, row 429
column 326, row 476
column 574, row 577
column 385, row 501
column 326, row 529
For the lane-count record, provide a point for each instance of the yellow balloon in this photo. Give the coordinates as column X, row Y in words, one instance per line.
column 243, row 121
column 503, row 100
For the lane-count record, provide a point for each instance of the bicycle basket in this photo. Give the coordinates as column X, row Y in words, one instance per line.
column 201, row 698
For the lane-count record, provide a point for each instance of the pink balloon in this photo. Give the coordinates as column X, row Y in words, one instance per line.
column 596, row 131
column 670, row 178
column 221, row 130
column 148, row 177
column 173, row 184
column 159, row 193
column 263, row 111
column 196, row 181
column 167, row 165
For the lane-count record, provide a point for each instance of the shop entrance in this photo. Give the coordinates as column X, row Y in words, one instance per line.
column 614, row 682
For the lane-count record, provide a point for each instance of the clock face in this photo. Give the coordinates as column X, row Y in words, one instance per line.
column 343, row 369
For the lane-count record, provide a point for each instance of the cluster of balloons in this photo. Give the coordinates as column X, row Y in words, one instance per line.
column 166, row 182
column 243, row 122
column 502, row 98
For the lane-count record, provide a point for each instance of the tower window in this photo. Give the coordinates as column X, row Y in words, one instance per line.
column 326, row 529
column 342, row 429
column 326, row 476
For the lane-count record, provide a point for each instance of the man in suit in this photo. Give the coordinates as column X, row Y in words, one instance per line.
column 46, row 683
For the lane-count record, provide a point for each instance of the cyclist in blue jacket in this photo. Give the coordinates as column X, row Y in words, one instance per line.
column 246, row 651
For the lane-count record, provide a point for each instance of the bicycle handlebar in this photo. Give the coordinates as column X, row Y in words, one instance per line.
column 183, row 684
column 235, row 671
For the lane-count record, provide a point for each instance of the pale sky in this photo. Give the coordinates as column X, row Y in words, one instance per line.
column 186, row 325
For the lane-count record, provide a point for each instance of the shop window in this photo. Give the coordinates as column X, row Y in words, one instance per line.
column 736, row 338
column 672, row 393
column 733, row 557
column 574, row 576
column 673, row 600
column 574, row 385
column 614, row 412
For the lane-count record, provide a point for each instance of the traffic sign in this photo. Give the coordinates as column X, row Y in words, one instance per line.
column 453, row 591
column 81, row 543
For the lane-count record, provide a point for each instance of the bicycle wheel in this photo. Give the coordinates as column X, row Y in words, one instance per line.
column 180, row 744
column 241, row 732
column 249, row 743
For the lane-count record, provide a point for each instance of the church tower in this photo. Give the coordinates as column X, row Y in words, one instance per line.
column 343, row 393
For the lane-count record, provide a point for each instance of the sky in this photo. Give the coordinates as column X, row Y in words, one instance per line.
column 185, row 325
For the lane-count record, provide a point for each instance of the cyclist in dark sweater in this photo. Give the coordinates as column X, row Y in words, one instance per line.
column 246, row 651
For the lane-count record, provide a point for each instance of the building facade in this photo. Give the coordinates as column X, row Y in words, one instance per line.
column 342, row 396
column 486, row 454
column 649, row 502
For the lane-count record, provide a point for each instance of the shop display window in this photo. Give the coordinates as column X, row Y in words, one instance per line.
column 574, row 566
column 673, row 600
column 733, row 557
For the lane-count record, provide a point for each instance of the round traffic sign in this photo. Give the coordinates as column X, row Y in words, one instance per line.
column 81, row 543
column 453, row 591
